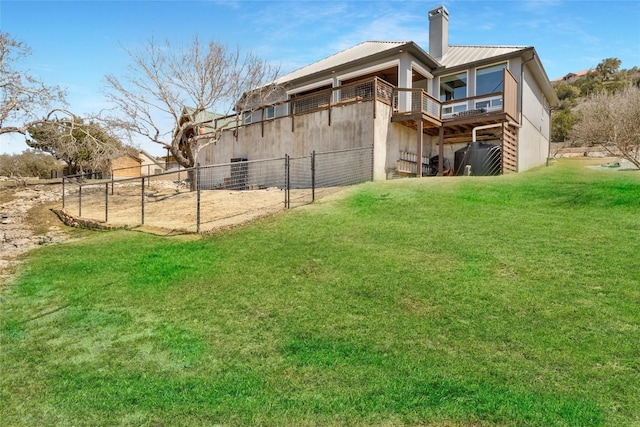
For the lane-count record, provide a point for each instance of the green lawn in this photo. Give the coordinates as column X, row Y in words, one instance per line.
column 507, row 301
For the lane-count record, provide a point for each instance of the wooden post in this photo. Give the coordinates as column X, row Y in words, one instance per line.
column 375, row 95
column 419, row 149
column 292, row 105
column 441, row 151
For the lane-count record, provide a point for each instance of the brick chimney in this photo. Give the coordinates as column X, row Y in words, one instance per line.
column 438, row 31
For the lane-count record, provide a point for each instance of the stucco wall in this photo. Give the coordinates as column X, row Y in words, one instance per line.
column 533, row 148
column 533, row 138
column 351, row 127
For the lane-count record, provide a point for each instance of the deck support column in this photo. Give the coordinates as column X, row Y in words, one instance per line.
column 419, row 149
column 441, row 151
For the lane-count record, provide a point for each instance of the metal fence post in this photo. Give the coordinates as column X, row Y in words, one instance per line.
column 287, row 203
column 142, row 201
column 106, row 202
column 112, row 179
column 313, row 176
column 80, row 200
column 198, row 198
column 372, row 165
column 63, row 192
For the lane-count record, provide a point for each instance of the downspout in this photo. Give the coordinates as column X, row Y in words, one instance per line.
column 477, row 128
column 551, row 110
column 495, row 125
column 533, row 55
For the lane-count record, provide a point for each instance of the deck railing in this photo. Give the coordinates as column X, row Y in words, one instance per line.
column 501, row 102
column 415, row 101
column 402, row 100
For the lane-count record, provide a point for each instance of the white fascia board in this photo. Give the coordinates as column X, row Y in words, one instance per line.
column 368, row 70
column 505, row 61
column 310, row 86
column 419, row 68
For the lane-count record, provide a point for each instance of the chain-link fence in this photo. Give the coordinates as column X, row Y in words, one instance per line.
column 213, row 197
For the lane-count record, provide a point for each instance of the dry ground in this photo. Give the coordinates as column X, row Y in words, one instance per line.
column 173, row 208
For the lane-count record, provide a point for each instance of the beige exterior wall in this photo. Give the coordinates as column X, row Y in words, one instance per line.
column 533, row 138
column 351, row 126
column 149, row 166
column 125, row 167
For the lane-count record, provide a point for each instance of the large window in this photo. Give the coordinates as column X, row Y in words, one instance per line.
column 489, row 79
column 453, row 87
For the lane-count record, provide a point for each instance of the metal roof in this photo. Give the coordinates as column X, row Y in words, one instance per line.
column 463, row 55
column 456, row 56
column 363, row 50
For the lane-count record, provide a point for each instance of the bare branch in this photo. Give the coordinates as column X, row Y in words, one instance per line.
column 22, row 97
column 611, row 121
column 169, row 91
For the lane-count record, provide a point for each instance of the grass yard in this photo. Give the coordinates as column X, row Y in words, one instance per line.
column 502, row 301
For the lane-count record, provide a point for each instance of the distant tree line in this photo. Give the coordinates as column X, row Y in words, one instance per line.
column 29, row 163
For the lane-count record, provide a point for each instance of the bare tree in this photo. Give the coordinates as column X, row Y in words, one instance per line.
column 83, row 145
column 613, row 122
column 22, row 97
column 169, row 89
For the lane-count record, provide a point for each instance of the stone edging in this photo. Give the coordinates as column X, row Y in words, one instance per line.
column 72, row 221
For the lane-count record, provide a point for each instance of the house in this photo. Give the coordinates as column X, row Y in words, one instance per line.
column 572, row 77
column 149, row 165
column 408, row 104
column 134, row 164
column 126, row 166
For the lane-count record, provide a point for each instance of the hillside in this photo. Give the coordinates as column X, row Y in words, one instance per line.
column 575, row 88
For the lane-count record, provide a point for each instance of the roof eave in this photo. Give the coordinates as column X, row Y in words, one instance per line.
column 484, row 61
column 410, row 47
column 526, row 53
column 543, row 80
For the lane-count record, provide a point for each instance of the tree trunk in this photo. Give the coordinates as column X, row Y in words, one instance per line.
column 192, row 179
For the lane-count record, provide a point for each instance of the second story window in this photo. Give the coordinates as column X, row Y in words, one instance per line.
column 453, row 86
column 489, row 79
column 270, row 112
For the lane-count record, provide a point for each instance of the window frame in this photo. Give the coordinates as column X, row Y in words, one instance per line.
column 504, row 64
column 466, row 86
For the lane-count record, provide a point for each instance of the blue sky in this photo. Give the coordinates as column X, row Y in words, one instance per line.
column 76, row 43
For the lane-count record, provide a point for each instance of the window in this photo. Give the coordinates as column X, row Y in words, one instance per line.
column 246, row 117
column 489, row 79
column 453, row 87
column 269, row 112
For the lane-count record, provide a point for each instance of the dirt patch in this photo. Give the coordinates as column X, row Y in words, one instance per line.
column 174, row 209
column 27, row 218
